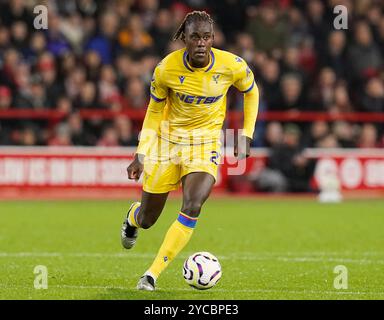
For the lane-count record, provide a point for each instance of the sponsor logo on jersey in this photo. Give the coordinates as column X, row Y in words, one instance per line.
column 197, row 99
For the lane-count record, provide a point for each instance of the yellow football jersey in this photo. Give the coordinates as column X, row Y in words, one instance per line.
column 192, row 101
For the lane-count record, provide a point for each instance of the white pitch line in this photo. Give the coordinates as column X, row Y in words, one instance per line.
column 246, row 257
column 318, row 253
column 212, row 291
column 74, row 254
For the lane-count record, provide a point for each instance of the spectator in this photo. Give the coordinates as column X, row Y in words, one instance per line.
column 123, row 126
column 87, row 98
column 62, row 136
column 57, row 44
column 37, row 46
column 22, row 81
column 335, row 57
column 291, row 94
column 104, row 42
column 267, row 29
column 291, row 64
column 67, row 63
column 318, row 26
column 136, row 96
column 80, row 135
column 380, row 35
column 328, row 141
column 368, row 136
column 46, row 67
column 99, row 54
column 245, row 47
column 230, row 10
column 364, row 56
column 5, row 126
column 92, row 62
column 27, row 136
column 64, row 104
column 19, row 37
column 107, row 86
column 5, row 133
column 273, row 134
column 126, row 68
column 287, row 168
column 74, row 82
column 147, row 64
column 15, row 10
column 4, row 40
column 298, row 27
column 72, row 29
column 134, row 39
column 342, row 101
column 307, row 58
column 373, row 97
column 162, row 31
column 5, row 98
column 318, row 130
column 147, row 10
column 344, row 134
column 270, row 76
column 88, row 8
column 109, row 138
column 34, row 96
column 323, row 93
column 11, row 59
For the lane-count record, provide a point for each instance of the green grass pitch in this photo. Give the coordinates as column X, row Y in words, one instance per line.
column 269, row 249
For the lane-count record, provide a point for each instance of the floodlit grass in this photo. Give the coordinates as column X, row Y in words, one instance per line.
column 271, row 249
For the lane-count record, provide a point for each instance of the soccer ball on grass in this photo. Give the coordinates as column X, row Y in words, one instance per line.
column 202, row 270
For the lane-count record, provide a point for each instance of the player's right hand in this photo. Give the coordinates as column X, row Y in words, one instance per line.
column 136, row 167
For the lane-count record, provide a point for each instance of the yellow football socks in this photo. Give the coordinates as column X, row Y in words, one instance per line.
column 175, row 240
column 132, row 217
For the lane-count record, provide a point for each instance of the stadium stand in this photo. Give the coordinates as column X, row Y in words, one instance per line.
column 96, row 60
column 84, row 81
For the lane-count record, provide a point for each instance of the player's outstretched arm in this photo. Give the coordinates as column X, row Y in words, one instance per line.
column 147, row 137
column 251, row 104
column 244, row 81
column 151, row 124
column 154, row 114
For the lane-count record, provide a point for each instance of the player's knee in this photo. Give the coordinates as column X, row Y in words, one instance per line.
column 192, row 208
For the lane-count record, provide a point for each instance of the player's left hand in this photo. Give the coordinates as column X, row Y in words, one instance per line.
column 242, row 147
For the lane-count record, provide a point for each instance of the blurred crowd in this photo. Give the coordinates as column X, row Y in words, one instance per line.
column 101, row 54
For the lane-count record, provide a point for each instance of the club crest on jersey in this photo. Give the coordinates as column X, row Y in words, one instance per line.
column 181, row 78
column 216, row 78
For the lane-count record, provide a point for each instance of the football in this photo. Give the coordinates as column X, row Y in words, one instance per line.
column 202, row 270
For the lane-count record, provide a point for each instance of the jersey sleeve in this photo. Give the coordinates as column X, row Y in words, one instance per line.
column 243, row 78
column 244, row 81
column 158, row 90
column 153, row 116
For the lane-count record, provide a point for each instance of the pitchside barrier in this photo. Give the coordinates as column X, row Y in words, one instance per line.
column 105, row 168
column 43, row 169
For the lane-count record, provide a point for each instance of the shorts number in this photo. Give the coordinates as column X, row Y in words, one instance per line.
column 214, row 157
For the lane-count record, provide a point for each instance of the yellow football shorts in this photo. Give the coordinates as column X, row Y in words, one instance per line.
column 167, row 162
